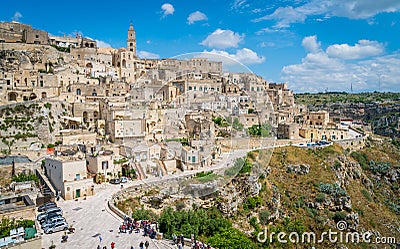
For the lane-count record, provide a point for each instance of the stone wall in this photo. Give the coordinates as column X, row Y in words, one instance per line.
column 24, row 213
column 353, row 144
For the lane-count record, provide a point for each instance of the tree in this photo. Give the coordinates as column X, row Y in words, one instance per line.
column 237, row 125
column 9, row 143
column 263, row 216
column 231, row 238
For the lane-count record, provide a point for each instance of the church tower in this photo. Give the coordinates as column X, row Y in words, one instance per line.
column 131, row 42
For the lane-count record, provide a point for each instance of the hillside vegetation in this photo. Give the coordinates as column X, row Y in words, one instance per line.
column 320, row 99
column 301, row 190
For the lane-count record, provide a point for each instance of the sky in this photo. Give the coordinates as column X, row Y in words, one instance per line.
column 313, row 45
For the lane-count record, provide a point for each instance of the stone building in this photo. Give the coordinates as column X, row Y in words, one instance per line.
column 317, row 119
column 103, row 162
column 323, row 133
column 288, row 131
column 35, row 36
column 68, row 175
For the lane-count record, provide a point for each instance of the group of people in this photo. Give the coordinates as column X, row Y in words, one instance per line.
column 180, row 242
column 149, row 228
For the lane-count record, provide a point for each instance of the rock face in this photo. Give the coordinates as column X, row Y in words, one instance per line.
column 301, row 169
column 231, row 196
column 352, row 221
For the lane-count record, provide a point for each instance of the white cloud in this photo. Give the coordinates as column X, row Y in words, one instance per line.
column 17, row 16
column 248, row 56
column 353, row 9
column 311, row 44
column 239, row 4
column 320, row 70
column 271, row 31
column 222, row 39
column 148, row 55
column 102, row 44
column 245, row 56
column 363, row 49
column 167, row 9
column 196, row 16
column 267, row 44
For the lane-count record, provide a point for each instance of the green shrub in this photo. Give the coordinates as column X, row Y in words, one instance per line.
column 338, row 216
column 263, row 216
column 230, row 238
column 321, row 197
column 252, row 202
column 337, row 165
column 366, row 194
column 47, row 105
column 253, row 222
column 143, row 214
column 361, row 158
column 180, row 205
column 21, row 177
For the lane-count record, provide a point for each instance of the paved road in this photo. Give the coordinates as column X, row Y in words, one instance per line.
column 92, row 219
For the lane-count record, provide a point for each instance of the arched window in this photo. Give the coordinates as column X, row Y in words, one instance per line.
column 78, row 91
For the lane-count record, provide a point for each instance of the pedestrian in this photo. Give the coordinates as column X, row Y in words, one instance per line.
column 141, row 245
column 98, row 247
column 132, row 247
column 112, row 245
column 174, row 238
column 182, row 240
column 147, row 244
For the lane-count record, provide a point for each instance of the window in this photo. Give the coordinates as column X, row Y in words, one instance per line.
column 37, row 36
column 104, row 165
column 78, row 176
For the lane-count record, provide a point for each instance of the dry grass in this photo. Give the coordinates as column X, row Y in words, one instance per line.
column 294, row 188
column 5, row 172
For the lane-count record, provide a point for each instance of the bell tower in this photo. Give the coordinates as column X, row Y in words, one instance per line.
column 131, row 42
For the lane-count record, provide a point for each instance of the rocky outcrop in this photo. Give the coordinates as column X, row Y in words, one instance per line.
column 301, row 169
column 232, row 195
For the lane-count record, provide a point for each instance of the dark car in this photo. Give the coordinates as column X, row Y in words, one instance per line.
column 46, row 206
column 49, row 217
column 44, row 215
column 115, row 181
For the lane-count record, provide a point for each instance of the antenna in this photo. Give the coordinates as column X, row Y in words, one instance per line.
column 379, row 81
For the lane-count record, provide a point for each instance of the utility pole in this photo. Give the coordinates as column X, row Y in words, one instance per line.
column 379, row 81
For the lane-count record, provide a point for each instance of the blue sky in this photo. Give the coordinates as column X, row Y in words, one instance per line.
column 314, row 45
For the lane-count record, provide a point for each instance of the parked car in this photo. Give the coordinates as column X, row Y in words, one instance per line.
column 59, row 226
column 44, row 215
column 115, row 181
column 52, row 221
column 123, row 179
column 46, row 206
column 49, row 217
